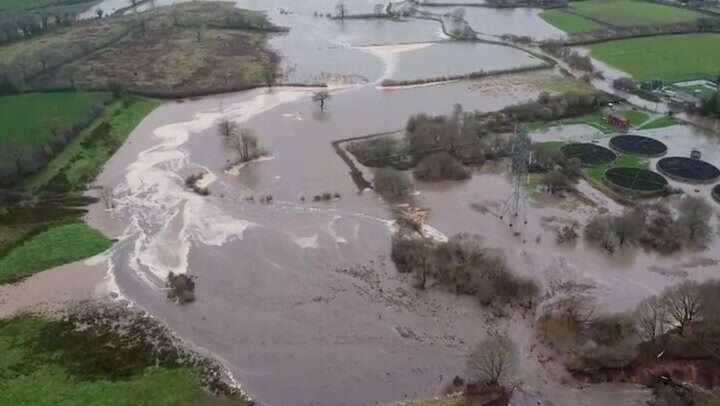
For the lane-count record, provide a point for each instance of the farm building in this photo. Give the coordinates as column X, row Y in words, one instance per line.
column 618, row 120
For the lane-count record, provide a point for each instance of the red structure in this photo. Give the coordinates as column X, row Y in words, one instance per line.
column 618, row 120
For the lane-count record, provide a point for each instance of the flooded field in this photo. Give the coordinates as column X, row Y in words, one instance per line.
column 298, row 298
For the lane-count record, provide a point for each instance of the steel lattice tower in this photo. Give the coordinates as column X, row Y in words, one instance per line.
column 515, row 207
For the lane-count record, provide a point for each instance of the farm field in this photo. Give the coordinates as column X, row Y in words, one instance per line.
column 569, row 23
column 626, row 13
column 31, row 122
column 672, row 58
column 58, row 245
column 85, row 155
column 16, row 5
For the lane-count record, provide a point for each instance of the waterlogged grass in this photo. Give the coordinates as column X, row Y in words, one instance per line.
column 33, row 374
column 58, row 245
column 632, row 13
column 594, row 120
column 81, row 160
column 673, row 58
column 662, row 122
column 569, row 23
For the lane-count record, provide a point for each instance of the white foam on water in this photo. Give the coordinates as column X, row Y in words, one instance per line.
column 164, row 216
column 308, row 242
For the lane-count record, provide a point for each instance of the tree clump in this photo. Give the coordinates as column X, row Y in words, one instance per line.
column 180, row 288
column 463, row 265
column 441, row 166
column 391, row 183
column 655, row 227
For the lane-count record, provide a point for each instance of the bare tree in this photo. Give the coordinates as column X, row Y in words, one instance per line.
column 341, row 9
column 321, row 97
column 629, row 226
column 23, row 63
column 695, row 215
column 555, row 181
column 270, row 74
column 458, row 15
column 599, row 230
column 246, row 144
column 652, row 318
column 227, row 128
column 683, row 303
column 492, row 360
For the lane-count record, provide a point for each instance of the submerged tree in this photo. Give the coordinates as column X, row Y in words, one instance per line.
column 247, row 144
column 492, row 360
column 321, row 97
column 341, row 9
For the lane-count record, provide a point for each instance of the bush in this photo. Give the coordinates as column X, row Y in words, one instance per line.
column 392, row 184
column 441, row 166
column 181, row 288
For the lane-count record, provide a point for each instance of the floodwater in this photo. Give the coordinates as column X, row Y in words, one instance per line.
column 515, row 21
column 298, row 298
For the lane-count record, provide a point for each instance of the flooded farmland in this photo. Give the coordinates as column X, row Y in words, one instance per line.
column 298, row 298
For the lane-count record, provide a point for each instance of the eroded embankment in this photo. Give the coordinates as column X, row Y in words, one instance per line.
column 704, row 372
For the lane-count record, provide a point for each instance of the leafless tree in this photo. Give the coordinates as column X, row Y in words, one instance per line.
column 341, row 9
column 23, row 63
column 458, row 15
column 227, row 128
column 321, row 97
column 599, row 230
column 555, row 181
column 492, row 360
column 246, row 144
column 652, row 318
column 695, row 214
column 629, row 226
column 683, row 303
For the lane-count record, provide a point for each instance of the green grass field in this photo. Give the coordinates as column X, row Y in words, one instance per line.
column 18, row 5
column 673, row 58
column 662, row 122
column 58, row 245
column 569, row 23
column 81, row 162
column 37, row 370
column 636, row 117
column 25, row 119
column 631, row 13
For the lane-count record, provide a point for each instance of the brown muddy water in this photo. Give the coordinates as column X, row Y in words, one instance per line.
column 299, row 299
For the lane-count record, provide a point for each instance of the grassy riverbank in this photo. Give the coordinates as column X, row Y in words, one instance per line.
column 58, row 245
column 672, row 58
column 85, row 155
column 43, row 229
column 45, row 363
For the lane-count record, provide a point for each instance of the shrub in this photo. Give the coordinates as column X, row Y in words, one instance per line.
column 441, row 166
column 392, row 184
column 181, row 288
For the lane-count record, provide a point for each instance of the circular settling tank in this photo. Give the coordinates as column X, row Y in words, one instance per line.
column 638, row 145
column 589, row 154
column 688, row 170
column 636, row 180
column 716, row 193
